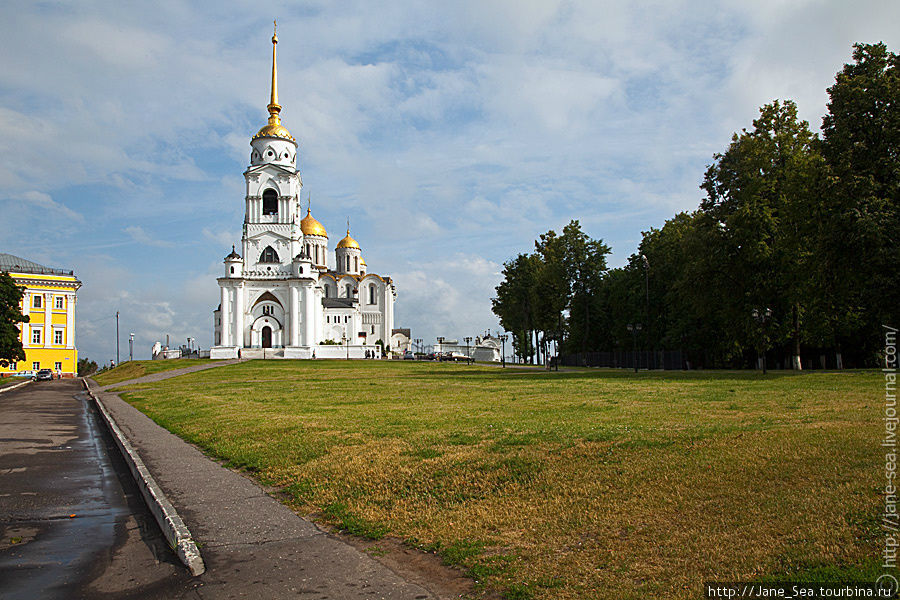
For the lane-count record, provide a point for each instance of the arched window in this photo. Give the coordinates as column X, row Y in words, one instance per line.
column 232, row 270
column 371, row 293
column 270, row 202
column 349, row 293
column 326, row 291
column 269, row 255
column 348, row 262
column 356, row 263
column 307, row 251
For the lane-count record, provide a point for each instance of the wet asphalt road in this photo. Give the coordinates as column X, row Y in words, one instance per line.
column 72, row 523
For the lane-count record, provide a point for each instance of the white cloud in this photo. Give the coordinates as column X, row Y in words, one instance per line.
column 50, row 209
column 138, row 234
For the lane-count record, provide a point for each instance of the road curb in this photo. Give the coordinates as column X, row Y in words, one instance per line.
column 173, row 528
column 9, row 388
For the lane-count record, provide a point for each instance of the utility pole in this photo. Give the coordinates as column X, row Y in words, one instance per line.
column 131, row 347
column 117, row 338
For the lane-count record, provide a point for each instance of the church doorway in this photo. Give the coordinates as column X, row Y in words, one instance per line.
column 266, row 337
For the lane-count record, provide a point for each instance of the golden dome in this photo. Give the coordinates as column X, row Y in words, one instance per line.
column 309, row 226
column 274, row 128
column 362, row 261
column 348, row 242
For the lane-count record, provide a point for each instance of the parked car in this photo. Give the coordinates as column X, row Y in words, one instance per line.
column 26, row 374
column 44, row 375
column 408, row 355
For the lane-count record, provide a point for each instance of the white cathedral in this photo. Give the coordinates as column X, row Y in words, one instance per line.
column 280, row 294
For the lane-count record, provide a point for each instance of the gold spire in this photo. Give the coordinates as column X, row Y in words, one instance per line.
column 274, row 128
column 274, row 107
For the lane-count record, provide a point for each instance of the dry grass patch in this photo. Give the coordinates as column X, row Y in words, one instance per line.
column 569, row 485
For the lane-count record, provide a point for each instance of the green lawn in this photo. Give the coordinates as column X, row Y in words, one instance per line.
column 138, row 368
column 598, row 484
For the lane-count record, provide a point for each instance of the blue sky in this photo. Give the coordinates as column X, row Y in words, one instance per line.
column 451, row 134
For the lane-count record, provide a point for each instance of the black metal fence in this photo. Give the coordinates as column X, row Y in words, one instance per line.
column 811, row 359
column 626, row 359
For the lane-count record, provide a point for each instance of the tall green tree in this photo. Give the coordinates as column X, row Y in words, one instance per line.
column 10, row 316
column 859, row 279
column 515, row 302
column 581, row 264
column 760, row 193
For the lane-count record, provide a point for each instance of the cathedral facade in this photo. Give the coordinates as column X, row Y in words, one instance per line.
column 278, row 296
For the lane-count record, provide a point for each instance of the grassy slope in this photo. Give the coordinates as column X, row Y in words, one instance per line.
column 138, row 368
column 570, row 485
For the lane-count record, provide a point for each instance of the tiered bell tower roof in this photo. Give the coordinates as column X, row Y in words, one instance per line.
column 274, row 128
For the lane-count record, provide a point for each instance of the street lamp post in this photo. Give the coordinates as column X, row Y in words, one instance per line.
column 440, row 341
column 418, row 342
column 634, row 328
column 346, row 341
column 762, row 316
column 468, row 339
column 503, row 349
column 117, row 337
column 647, row 302
column 131, row 346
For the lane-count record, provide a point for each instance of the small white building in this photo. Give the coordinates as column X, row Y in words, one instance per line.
column 400, row 341
column 278, row 292
column 483, row 348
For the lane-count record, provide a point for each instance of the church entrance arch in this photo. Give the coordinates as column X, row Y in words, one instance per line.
column 267, row 332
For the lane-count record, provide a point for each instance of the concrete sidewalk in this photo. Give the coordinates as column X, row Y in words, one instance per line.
column 167, row 374
column 253, row 546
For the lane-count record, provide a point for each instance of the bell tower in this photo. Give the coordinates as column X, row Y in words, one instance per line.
column 272, row 236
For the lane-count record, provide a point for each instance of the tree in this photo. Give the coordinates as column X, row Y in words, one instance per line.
column 760, row 194
column 10, row 316
column 574, row 265
column 86, row 367
column 515, row 301
column 858, row 280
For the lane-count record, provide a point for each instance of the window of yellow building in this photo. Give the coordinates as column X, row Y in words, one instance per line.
column 35, row 336
column 60, row 302
column 58, row 336
column 38, row 301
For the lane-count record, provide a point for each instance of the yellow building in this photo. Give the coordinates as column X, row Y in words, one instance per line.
column 49, row 301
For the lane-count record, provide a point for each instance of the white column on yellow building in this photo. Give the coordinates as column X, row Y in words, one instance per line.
column 48, row 320
column 239, row 315
column 225, row 316
column 294, row 316
column 70, row 321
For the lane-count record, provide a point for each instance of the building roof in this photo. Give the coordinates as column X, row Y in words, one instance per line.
column 310, row 226
column 400, row 331
column 348, row 242
column 9, row 262
column 274, row 128
column 339, row 302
